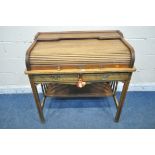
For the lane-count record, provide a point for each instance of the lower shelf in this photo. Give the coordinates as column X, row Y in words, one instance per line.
column 91, row 90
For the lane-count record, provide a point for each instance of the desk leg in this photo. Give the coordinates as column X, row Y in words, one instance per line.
column 121, row 102
column 37, row 100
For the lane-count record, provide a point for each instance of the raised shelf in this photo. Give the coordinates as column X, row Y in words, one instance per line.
column 90, row 90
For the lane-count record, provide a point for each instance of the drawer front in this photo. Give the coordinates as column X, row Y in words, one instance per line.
column 106, row 77
column 73, row 78
column 55, row 78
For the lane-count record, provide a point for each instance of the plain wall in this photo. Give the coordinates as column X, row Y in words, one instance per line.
column 14, row 42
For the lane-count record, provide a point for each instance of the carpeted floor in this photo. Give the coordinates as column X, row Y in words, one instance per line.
column 19, row 111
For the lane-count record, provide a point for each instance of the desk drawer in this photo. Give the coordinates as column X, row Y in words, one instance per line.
column 58, row 78
column 105, row 77
column 73, row 78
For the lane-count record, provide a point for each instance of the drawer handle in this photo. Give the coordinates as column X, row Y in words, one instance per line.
column 80, row 83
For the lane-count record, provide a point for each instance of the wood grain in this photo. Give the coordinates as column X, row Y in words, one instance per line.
column 89, row 51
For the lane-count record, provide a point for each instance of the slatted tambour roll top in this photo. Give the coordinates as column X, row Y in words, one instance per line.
column 60, row 50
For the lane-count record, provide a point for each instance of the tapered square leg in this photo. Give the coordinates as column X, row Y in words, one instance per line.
column 37, row 101
column 121, row 102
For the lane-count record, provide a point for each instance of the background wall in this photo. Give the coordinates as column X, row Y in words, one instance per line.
column 14, row 42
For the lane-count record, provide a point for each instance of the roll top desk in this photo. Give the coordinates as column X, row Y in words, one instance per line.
column 79, row 64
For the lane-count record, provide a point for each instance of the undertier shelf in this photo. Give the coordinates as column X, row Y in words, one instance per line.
column 90, row 90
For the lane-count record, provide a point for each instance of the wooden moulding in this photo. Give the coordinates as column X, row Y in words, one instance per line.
column 71, row 71
column 28, row 55
column 84, row 34
column 132, row 52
